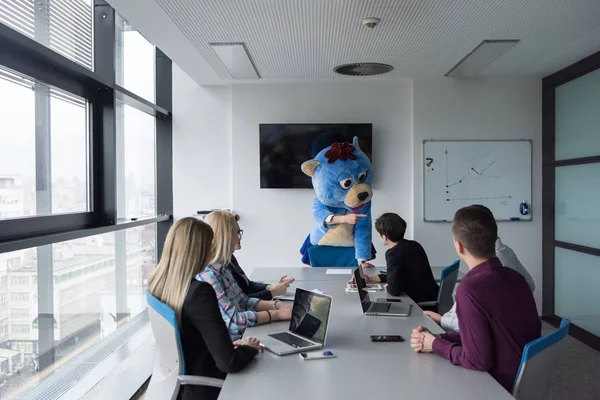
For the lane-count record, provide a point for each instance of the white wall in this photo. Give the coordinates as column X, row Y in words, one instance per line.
column 201, row 146
column 216, row 160
column 276, row 222
column 480, row 109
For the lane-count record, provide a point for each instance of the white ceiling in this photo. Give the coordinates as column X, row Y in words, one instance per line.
column 303, row 40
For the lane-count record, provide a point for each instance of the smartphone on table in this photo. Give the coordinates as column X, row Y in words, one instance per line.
column 317, row 355
column 387, row 338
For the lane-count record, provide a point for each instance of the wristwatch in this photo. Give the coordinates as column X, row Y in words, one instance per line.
column 329, row 218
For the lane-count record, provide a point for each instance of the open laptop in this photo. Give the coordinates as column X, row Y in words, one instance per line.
column 376, row 308
column 308, row 325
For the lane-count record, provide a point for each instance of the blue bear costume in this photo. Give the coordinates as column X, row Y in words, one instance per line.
column 342, row 177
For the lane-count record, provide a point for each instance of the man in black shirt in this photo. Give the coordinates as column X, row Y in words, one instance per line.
column 408, row 269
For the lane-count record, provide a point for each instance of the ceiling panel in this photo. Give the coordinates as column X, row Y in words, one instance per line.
column 306, row 39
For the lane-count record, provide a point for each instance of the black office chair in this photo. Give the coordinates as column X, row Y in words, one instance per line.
column 445, row 301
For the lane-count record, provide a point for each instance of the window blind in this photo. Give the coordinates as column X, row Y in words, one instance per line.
column 65, row 26
column 7, row 75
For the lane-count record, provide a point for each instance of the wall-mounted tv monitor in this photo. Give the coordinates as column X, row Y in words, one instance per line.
column 284, row 147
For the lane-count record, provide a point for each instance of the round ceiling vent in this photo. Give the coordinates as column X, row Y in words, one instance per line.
column 363, row 69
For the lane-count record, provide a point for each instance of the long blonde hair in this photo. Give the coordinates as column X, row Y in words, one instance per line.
column 186, row 254
column 223, row 224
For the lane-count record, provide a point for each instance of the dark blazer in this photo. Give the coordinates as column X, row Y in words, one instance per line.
column 207, row 347
column 256, row 290
column 408, row 271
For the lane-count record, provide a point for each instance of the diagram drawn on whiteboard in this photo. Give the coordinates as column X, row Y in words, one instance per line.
column 477, row 169
column 496, row 174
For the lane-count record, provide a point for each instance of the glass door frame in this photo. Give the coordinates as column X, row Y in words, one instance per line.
column 549, row 165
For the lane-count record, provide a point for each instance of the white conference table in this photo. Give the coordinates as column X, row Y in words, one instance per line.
column 362, row 369
column 320, row 274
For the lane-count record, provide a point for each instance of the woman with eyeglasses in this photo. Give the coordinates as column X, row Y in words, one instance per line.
column 237, row 309
column 253, row 289
column 207, row 347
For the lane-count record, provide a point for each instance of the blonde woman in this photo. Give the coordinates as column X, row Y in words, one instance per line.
column 237, row 310
column 257, row 290
column 207, row 347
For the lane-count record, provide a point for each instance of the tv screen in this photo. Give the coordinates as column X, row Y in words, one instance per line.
column 284, row 147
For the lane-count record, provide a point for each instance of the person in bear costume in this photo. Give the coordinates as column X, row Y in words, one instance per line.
column 341, row 177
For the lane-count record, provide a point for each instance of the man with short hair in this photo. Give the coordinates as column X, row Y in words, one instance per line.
column 497, row 315
column 408, row 269
column 508, row 258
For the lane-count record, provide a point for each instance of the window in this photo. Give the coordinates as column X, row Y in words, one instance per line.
column 21, row 297
column 25, row 173
column 19, row 313
column 65, row 26
column 19, row 280
column 87, row 303
column 135, row 61
column 64, row 169
column 20, row 329
column 136, row 165
column 141, row 262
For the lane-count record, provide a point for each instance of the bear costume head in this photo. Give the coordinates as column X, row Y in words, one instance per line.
column 341, row 176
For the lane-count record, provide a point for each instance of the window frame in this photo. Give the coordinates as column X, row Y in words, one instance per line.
column 549, row 166
column 26, row 56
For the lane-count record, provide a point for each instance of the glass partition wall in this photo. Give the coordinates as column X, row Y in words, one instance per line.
column 571, row 198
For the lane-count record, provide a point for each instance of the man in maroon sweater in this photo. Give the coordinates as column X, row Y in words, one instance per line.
column 497, row 315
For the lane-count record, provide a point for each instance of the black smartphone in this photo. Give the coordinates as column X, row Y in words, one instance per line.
column 387, row 338
column 383, row 300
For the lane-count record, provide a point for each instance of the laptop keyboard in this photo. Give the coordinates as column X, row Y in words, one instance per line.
column 291, row 339
column 380, row 307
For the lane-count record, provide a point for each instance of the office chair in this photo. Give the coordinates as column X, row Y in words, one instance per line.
column 537, row 363
column 444, row 302
column 169, row 367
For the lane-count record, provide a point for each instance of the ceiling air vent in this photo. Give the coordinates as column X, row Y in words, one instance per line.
column 363, row 69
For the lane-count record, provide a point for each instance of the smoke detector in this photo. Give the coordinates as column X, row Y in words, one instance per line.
column 363, row 69
column 371, row 22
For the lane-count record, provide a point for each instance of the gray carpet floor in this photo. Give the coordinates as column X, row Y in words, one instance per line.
column 577, row 376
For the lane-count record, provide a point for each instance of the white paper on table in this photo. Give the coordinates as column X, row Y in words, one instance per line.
column 288, row 296
column 317, row 291
column 285, row 297
column 338, row 271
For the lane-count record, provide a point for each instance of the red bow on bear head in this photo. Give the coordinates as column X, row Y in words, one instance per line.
column 342, row 151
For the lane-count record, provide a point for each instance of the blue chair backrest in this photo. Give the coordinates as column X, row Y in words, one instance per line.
column 539, row 357
column 447, row 284
column 169, row 316
column 332, row 256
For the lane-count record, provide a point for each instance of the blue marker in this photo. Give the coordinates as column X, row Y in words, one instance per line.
column 515, row 219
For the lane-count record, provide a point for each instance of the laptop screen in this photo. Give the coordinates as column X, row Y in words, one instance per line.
column 310, row 315
column 361, row 286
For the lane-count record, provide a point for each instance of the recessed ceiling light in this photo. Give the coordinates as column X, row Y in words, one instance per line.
column 363, row 69
column 236, row 59
column 483, row 55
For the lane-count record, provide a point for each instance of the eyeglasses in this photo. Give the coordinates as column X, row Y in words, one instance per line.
column 240, row 233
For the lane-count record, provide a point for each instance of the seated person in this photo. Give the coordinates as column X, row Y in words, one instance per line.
column 508, row 258
column 252, row 289
column 408, row 269
column 237, row 310
column 497, row 315
column 207, row 347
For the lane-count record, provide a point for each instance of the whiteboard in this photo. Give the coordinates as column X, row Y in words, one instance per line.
column 456, row 174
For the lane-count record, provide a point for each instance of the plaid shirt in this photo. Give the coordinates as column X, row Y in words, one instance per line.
column 236, row 307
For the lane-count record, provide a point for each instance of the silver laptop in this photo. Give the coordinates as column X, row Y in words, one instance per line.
column 376, row 308
column 308, row 325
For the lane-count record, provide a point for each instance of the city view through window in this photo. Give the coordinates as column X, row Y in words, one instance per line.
column 58, row 300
